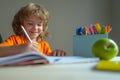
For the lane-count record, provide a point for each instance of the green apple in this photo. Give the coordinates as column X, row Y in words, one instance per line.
column 105, row 49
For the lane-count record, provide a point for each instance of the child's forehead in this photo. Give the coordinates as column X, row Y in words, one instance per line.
column 33, row 18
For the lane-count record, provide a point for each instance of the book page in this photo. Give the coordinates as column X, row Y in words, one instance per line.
column 21, row 57
column 70, row 59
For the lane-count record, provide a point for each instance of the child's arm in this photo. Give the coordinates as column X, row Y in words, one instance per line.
column 12, row 50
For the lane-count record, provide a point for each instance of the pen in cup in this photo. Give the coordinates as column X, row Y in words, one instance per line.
column 26, row 33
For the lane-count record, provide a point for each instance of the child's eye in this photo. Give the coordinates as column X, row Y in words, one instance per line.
column 30, row 24
column 39, row 25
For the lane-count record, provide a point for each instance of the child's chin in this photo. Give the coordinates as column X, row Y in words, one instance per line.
column 33, row 37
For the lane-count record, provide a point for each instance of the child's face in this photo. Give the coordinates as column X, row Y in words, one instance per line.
column 33, row 26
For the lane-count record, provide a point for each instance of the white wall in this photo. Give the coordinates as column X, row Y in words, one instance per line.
column 116, row 21
column 65, row 17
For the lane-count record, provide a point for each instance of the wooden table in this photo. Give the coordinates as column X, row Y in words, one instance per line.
column 78, row 71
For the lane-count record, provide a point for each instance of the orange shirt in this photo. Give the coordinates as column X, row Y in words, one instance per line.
column 14, row 39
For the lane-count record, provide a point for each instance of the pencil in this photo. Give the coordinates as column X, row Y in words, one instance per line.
column 26, row 33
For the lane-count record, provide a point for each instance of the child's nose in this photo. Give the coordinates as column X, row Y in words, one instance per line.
column 35, row 27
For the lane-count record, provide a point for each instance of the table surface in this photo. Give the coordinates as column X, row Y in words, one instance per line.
column 77, row 71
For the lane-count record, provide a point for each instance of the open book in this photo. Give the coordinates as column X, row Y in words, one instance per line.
column 37, row 58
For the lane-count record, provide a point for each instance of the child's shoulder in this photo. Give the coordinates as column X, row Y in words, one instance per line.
column 17, row 38
column 43, row 42
column 14, row 36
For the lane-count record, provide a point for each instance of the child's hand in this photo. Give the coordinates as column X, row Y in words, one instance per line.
column 30, row 47
column 58, row 52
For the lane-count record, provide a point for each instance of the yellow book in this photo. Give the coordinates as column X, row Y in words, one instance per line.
column 111, row 65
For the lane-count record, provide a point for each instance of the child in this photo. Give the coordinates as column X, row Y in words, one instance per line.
column 34, row 18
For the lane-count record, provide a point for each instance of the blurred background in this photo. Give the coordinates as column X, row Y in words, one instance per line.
column 65, row 17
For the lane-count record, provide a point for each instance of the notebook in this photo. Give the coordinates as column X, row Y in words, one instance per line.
column 39, row 58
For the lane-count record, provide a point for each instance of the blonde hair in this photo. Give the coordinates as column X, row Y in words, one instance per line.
column 24, row 13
